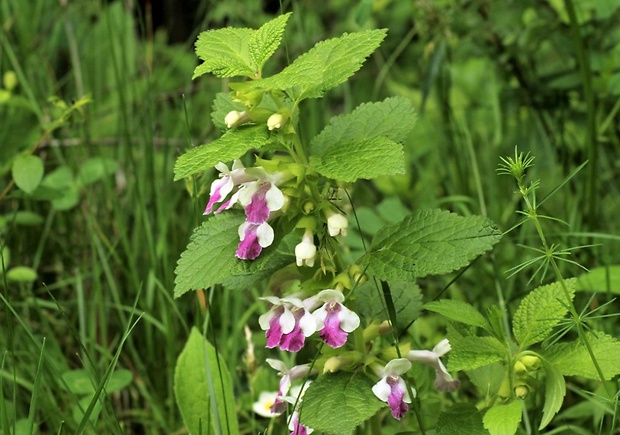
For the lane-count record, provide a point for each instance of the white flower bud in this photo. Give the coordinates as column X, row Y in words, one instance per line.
column 337, row 224
column 235, row 118
column 305, row 252
column 275, row 121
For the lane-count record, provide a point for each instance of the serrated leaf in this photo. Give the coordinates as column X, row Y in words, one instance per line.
column 459, row 311
column 210, row 256
column 266, row 40
column 336, row 403
column 224, row 53
column 407, row 298
column 540, row 311
column 27, row 172
column 327, row 64
column 472, row 352
column 503, row 419
column 222, row 105
column 428, row 242
column 392, row 118
column 232, row 145
column 555, row 390
column 203, row 388
column 361, row 159
column 461, row 419
column 573, row 359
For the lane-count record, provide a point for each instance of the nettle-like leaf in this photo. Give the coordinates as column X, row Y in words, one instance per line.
column 503, row 419
column 232, row 145
column 540, row 311
column 364, row 143
column 407, row 298
column 461, row 418
column 238, row 52
column 458, row 311
column 336, row 403
column 573, row 359
column 471, row 352
column 222, row 105
column 210, row 256
column 327, row 64
column 555, row 390
column 428, row 242
column 201, row 378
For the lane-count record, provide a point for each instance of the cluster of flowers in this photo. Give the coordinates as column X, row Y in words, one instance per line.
column 257, row 191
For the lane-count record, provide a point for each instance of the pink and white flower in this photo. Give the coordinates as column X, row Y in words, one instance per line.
column 296, row 427
column 222, row 187
column 392, row 388
column 334, row 320
column 287, row 324
column 260, row 198
column 288, row 376
column 444, row 382
column 253, row 238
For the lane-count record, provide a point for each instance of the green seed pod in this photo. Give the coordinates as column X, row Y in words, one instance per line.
column 531, row 362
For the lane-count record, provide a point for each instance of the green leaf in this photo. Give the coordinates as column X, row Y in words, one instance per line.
column 472, row 352
column 266, row 40
column 458, row 311
column 21, row 274
column 222, row 105
column 407, row 298
column 361, row 159
column 461, row 419
column 224, row 53
column 27, row 172
column 555, row 390
column 601, row 279
column 573, row 359
column 364, row 143
column 95, row 169
column 336, row 403
column 327, row 64
column 540, row 311
column 203, row 388
column 232, row 145
column 79, row 381
column 61, row 188
column 503, row 419
column 392, row 118
column 428, row 242
column 210, row 256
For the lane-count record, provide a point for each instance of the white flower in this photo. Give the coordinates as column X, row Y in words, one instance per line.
column 305, row 252
column 336, row 224
column 264, row 404
column 444, row 382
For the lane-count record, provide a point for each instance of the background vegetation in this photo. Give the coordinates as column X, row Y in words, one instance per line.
column 101, row 93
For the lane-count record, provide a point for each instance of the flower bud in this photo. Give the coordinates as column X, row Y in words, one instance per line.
column 531, row 362
column 275, row 121
column 336, row 224
column 305, row 251
column 520, row 369
column 235, row 118
column 522, row 391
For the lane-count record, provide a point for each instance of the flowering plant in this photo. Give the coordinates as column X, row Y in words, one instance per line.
column 281, row 212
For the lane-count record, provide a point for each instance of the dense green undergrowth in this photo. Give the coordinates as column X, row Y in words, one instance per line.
column 96, row 106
